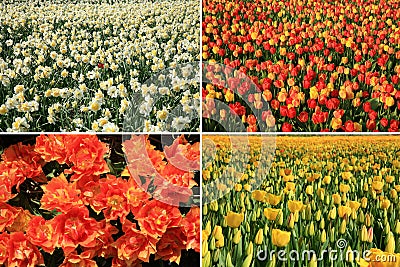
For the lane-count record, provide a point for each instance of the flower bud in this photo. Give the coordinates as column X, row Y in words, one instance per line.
column 206, row 259
column 342, row 228
column 364, row 234
column 216, row 255
column 323, row 236
column 368, row 220
column 311, row 230
column 247, row 261
column 332, row 235
column 390, row 245
column 318, row 215
column 228, row 261
column 370, row 234
column 322, row 223
column 397, row 228
column 249, row 250
column 291, row 221
column 205, row 209
column 349, row 255
column 259, row 237
column 237, row 237
column 361, row 217
column 211, row 246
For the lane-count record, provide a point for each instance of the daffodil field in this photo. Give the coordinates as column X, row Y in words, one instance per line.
column 79, row 66
column 321, row 195
column 319, row 65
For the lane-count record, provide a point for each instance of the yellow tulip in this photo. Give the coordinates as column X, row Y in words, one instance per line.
column 271, row 213
column 259, row 195
column 234, row 219
column 273, row 199
column 344, row 211
column 377, row 186
column 295, row 206
column 280, row 238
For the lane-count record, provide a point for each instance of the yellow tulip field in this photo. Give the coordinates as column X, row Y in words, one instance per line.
column 315, row 201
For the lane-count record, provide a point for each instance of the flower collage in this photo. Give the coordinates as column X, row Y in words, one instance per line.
column 188, row 133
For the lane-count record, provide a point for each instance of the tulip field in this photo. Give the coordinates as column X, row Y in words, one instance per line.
column 322, row 194
column 82, row 65
column 317, row 65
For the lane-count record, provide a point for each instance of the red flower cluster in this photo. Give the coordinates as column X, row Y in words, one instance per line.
column 85, row 183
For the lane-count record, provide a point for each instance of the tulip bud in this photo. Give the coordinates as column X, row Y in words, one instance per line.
column 313, row 262
column 370, row 235
column 259, row 237
column 247, row 227
column 387, row 228
column 311, row 230
column 208, row 228
column 249, row 250
column 291, row 221
column 211, row 246
column 228, row 261
column 247, row 261
column 342, row 228
column 332, row 235
column 364, row 202
column 361, row 217
column 390, row 245
column 206, row 259
column 368, row 220
column 318, row 216
column 237, row 237
column 216, row 255
column 322, row 223
column 296, row 216
column 397, row 228
column 323, row 236
column 349, row 255
column 332, row 213
column 204, row 246
column 205, row 209
column 364, row 234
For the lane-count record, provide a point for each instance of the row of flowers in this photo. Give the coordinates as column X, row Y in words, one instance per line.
column 314, row 65
column 69, row 200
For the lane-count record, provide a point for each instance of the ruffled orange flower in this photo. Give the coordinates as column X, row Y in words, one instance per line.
column 135, row 245
column 112, row 198
column 82, row 260
column 86, row 154
column 155, row 217
column 21, row 220
column 41, row 233
column 4, row 238
column 53, row 147
column 21, row 252
column 7, row 216
column 60, row 195
column 191, row 226
column 171, row 244
column 76, row 228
